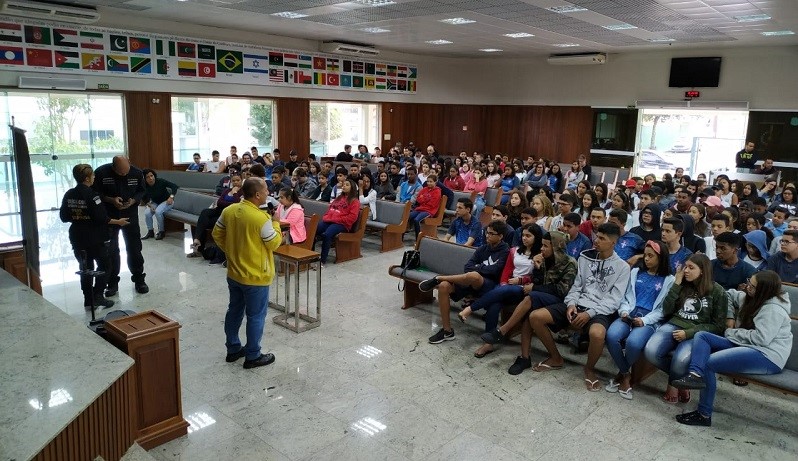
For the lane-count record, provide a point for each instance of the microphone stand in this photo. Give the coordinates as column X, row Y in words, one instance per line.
column 91, row 274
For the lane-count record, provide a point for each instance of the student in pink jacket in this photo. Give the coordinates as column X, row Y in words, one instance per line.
column 428, row 200
column 290, row 211
column 340, row 217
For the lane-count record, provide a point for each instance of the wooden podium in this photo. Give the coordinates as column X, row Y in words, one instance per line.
column 151, row 339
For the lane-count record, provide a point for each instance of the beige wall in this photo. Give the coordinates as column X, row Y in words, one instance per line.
column 763, row 76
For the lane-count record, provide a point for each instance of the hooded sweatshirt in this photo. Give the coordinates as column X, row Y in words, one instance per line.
column 707, row 313
column 693, row 242
column 600, row 284
column 489, row 261
column 655, row 233
column 758, row 239
column 559, row 275
column 771, row 335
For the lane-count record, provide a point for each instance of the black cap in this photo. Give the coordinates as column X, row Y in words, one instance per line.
column 708, row 191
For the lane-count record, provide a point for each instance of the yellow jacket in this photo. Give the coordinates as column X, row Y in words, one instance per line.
column 248, row 236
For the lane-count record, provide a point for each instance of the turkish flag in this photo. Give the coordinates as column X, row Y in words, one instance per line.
column 36, row 57
column 207, row 70
column 333, row 80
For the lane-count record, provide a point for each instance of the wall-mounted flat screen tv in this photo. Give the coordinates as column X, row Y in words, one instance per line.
column 695, row 72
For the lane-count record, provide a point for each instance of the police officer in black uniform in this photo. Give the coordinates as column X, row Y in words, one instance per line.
column 88, row 233
column 121, row 187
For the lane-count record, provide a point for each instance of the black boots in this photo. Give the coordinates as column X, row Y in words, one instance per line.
column 150, row 234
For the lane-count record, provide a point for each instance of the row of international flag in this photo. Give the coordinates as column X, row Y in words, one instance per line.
column 39, row 46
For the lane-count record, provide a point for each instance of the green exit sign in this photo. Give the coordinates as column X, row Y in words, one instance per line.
column 103, row 86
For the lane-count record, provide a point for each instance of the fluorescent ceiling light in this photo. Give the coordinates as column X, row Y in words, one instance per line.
column 622, row 26
column 661, row 40
column 752, row 18
column 777, row 33
column 565, row 45
column 375, row 30
column 566, row 9
column 457, row 21
column 490, row 50
column 519, row 35
column 438, row 42
column 289, row 15
column 375, row 2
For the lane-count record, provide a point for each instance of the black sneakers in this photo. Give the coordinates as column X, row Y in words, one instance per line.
column 160, row 235
column 150, row 234
column 441, row 336
column 429, row 284
column 142, row 287
column 230, row 358
column 261, row 361
column 111, row 289
column 694, row 418
column 520, row 365
column 691, row 381
column 492, row 337
column 100, row 302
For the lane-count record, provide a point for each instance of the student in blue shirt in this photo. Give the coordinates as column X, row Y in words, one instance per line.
column 728, row 270
column 577, row 242
column 672, row 230
column 409, row 188
column 508, row 183
column 465, row 228
column 778, row 224
column 629, row 244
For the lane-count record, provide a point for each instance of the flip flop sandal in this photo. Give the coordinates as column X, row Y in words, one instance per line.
column 479, row 356
column 627, row 394
column 593, row 386
column 460, row 316
column 667, row 399
column 544, row 367
column 612, row 386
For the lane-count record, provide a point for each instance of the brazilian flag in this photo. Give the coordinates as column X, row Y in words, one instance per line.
column 231, row 62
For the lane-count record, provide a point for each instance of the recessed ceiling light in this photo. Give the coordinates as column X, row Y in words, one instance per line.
column 438, row 42
column 519, row 35
column 457, row 21
column 752, row 18
column 566, row 9
column 375, row 2
column 490, row 50
column 565, row 45
column 375, row 30
column 661, row 40
column 289, row 15
column 777, row 33
column 622, row 26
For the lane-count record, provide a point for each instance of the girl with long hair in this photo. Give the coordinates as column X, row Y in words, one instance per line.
column 368, row 195
column 290, row 211
column 427, row 202
column 574, row 176
column 699, row 214
column 515, row 206
column 492, row 174
column 556, row 182
column 602, row 194
column 586, row 205
column 640, row 314
column 384, row 187
column 694, row 303
column 727, row 196
column 508, row 183
column 787, row 199
column 537, row 178
column 545, row 211
column 340, row 217
column 747, row 191
column 758, row 343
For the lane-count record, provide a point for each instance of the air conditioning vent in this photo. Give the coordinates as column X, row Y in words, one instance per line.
column 692, row 104
column 579, row 59
column 52, row 83
column 50, row 11
column 348, row 49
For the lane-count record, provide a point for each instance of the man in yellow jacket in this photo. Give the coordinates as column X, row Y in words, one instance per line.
column 248, row 236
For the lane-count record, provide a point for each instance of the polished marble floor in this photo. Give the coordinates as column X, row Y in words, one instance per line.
column 366, row 385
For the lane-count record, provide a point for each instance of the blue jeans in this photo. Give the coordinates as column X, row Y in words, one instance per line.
column 416, row 217
column 162, row 208
column 495, row 300
column 327, row 232
column 716, row 354
column 636, row 339
column 252, row 301
column 660, row 346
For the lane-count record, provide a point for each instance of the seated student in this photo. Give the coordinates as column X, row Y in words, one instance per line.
column 508, row 183
column 690, row 240
column 409, row 188
column 279, row 180
column 290, row 211
column 384, row 187
column 340, row 217
column 785, row 262
column 323, row 191
column 779, row 222
column 454, row 181
column 720, row 223
column 728, row 270
column 545, row 211
column 515, row 281
column 577, row 242
column 305, row 185
column 367, row 195
column 649, row 218
column 207, row 217
column 553, row 275
column 759, row 343
column 465, row 228
column 595, row 218
column 629, row 244
column 215, row 166
column 428, row 200
column 590, row 305
column 159, row 198
column 672, row 230
column 640, row 315
column 565, row 205
column 698, row 304
column 517, row 204
column 500, row 213
column 756, row 250
column 527, row 217
column 481, row 274
column 197, row 164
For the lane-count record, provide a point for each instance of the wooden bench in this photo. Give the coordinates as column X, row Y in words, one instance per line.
column 391, row 223
column 346, row 244
column 429, row 225
column 187, row 207
column 198, row 182
column 450, row 207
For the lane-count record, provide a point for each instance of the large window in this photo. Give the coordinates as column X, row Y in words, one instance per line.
column 335, row 124
column 207, row 124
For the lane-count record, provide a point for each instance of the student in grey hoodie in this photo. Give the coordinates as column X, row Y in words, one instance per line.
column 590, row 304
column 759, row 344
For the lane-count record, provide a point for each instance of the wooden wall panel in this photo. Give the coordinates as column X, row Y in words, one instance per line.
column 149, row 129
column 293, row 127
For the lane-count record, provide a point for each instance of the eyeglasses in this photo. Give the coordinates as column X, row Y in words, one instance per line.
column 786, row 242
column 492, row 233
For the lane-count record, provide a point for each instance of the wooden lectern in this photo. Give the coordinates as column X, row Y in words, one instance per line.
column 151, row 339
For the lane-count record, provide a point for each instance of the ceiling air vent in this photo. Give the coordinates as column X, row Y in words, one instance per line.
column 348, row 49
column 51, row 11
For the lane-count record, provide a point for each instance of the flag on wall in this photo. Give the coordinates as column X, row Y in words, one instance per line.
column 67, row 59
column 39, row 58
column 346, row 80
column 412, row 72
column 140, row 65
column 381, row 69
column 278, row 75
column 303, row 78
column 391, row 84
column 256, row 64
column 65, row 37
column 275, row 59
column 11, row 55
column 206, row 52
column 319, row 63
column 357, row 67
column 290, row 60
column 162, row 67
column 347, row 65
column 116, row 63
column 402, row 85
column 333, row 65
column 159, row 49
column 10, row 32
column 380, row 83
column 401, row 71
column 230, row 62
column 305, row 61
column 411, row 85
column 37, row 35
column 391, row 71
column 369, row 83
column 333, row 80
column 91, row 40
column 319, row 78
column 139, row 45
column 187, row 68
column 118, row 43
column 357, row 81
column 206, row 69
column 186, row 50
column 370, row 69
column 91, row 61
